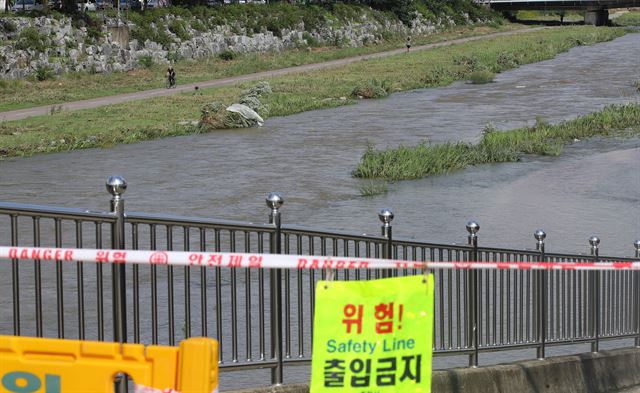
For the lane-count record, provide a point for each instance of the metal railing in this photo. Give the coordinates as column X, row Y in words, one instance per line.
column 267, row 322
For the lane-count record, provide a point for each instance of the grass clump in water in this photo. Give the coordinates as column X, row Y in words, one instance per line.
column 372, row 88
column 405, row 162
column 424, row 160
column 481, row 77
column 636, row 84
column 373, row 188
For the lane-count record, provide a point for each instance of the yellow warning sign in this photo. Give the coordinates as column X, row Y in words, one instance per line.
column 373, row 336
column 41, row 365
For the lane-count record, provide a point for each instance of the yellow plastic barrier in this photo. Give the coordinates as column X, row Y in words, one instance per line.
column 41, row 365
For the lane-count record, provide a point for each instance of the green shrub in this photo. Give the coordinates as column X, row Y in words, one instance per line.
column 481, row 77
column 145, row 61
column 372, row 89
column 71, row 44
column 507, row 60
column 439, row 75
column 93, row 26
column 43, row 72
column 146, row 32
column 174, row 56
column 179, row 28
column 197, row 25
column 227, row 55
column 94, row 33
column 466, row 64
column 311, row 40
column 7, row 26
column 30, row 38
column 387, row 35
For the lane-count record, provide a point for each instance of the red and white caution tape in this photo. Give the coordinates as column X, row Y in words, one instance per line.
column 276, row 261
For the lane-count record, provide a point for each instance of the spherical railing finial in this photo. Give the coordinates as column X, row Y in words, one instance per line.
column 473, row 227
column 274, row 201
column 540, row 235
column 594, row 241
column 116, row 185
column 636, row 244
column 385, row 216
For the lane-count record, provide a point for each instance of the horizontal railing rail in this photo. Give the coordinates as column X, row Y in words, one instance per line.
column 264, row 318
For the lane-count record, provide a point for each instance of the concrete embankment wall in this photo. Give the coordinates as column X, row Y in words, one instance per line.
column 603, row 372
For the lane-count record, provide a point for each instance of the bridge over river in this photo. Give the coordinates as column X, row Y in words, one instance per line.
column 597, row 11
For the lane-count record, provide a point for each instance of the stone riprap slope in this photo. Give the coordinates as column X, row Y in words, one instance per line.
column 44, row 46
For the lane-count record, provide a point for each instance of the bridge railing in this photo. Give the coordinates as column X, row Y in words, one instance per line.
column 264, row 318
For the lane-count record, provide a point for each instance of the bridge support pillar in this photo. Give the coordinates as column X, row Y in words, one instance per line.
column 596, row 18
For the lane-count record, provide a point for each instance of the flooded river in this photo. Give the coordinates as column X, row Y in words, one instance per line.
column 592, row 188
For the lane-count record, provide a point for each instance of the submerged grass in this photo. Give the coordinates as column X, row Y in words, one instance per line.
column 166, row 116
column 424, row 160
column 482, row 77
column 373, row 188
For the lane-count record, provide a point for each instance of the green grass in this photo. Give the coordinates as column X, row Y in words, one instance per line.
column 425, row 160
column 140, row 120
column 372, row 88
column 546, row 16
column 629, row 19
column 481, row 77
column 86, row 85
column 373, row 188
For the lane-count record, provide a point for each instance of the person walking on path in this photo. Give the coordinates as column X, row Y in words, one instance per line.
column 171, row 77
column 408, row 43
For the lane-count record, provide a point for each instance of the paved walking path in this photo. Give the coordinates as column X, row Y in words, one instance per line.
column 145, row 94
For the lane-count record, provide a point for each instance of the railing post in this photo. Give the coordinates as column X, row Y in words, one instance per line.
column 15, row 282
column 386, row 216
column 636, row 287
column 116, row 186
column 473, row 296
column 541, row 296
column 274, row 202
column 594, row 241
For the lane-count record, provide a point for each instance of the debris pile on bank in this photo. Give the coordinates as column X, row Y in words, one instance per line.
column 247, row 112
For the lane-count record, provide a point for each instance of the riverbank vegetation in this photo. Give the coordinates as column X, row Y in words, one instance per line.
column 19, row 94
column 548, row 16
column 481, row 77
column 631, row 18
column 425, row 160
column 166, row 116
column 278, row 16
column 372, row 88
